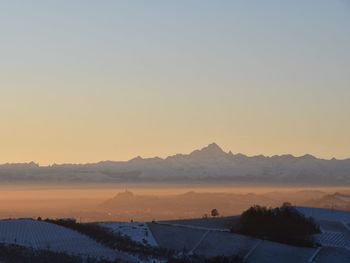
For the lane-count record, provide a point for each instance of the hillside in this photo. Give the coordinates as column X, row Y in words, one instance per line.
column 193, row 240
column 337, row 201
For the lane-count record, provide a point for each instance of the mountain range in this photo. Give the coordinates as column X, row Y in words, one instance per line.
column 208, row 165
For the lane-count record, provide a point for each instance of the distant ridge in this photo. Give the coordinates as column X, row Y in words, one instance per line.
column 207, row 165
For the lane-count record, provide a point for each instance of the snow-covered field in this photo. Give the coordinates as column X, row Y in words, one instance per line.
column 268, row 252
column 227, row 244
column 325, row 214
column 333, row 239
column 138, row 232
column 335, row 231
column 332, row 255
column 43, row 235
column 220, row 223
column 190, row 236
column 175, row 237
column 209, row 242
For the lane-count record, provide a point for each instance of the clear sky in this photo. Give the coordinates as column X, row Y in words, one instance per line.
column 83, row 81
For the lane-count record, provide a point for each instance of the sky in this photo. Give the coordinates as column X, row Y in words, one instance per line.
column 84, row 81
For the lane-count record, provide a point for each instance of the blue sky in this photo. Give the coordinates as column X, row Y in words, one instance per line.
column 87, row 80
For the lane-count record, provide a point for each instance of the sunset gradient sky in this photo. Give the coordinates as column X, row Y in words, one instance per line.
column 83, row 81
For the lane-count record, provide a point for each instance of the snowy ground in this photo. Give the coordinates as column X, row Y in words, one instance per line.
column 196, row 237
column 335, row 231
column 220, row 223
column 226, row 244
column 175, row 237
column 138, row 232
column 268, row 252
column 325, row 214
column 206, row 238
column 332, row 255
column 333, row 239
column 43, row 235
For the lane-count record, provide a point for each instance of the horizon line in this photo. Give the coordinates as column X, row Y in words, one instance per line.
column 169, row 156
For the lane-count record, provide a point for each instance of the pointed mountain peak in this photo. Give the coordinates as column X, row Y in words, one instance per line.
column 211, row 151
column 212, row 148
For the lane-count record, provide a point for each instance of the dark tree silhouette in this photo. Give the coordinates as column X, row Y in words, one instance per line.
column 282, row 224
column 214, row 212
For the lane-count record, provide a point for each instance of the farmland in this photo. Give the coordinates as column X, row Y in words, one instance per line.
column 138, row 232
column 42, row 235
column 200, row 238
